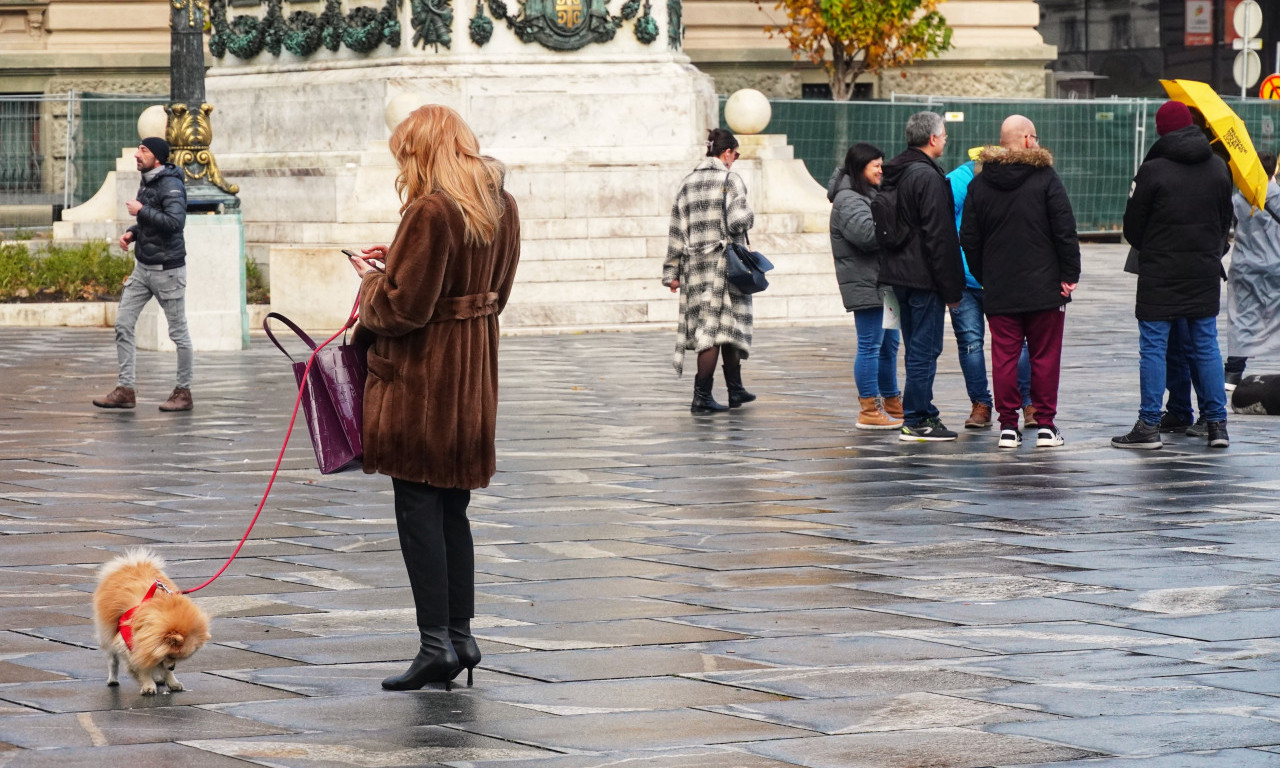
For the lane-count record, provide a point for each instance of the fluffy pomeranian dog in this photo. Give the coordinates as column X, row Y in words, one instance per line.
column 144, row 620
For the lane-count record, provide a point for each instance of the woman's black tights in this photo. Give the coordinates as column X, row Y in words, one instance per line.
column 707, row 359
column 435, row 540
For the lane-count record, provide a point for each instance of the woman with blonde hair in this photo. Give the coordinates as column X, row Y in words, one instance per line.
column 430, row 302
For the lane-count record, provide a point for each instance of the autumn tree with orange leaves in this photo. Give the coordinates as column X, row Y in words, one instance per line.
column 850, row 37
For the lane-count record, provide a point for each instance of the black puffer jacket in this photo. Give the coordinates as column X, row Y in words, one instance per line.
column 1177, row 219
column 930, row 259
column 1019, row 232
column 853, row 244
column 157, row 236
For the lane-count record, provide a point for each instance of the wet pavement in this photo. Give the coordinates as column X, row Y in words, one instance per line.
column 769, row 587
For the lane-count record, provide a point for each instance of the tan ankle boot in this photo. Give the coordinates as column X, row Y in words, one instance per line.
column 871, row 417
column 893, row 407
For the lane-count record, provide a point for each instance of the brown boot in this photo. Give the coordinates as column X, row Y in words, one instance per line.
column 979, row 417
column 180, row 400
column 871, row 417
column 1029, row 417
column 893, row 407
column 120, row 397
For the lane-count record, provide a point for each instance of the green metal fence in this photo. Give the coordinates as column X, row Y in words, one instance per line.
column 1097, row 144
column 57, row 149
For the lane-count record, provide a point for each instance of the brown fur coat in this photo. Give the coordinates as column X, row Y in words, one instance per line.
column 431, row 401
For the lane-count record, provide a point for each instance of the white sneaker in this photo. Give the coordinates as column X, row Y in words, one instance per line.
column 1049, row 437
column 1009, row 438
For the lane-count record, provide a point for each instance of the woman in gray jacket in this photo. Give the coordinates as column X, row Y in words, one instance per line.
column 857, row 255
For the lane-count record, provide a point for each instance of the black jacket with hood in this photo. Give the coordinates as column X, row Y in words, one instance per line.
column 157, row 236
column 1019, row 232
column 1177, row 220
column 930, row 259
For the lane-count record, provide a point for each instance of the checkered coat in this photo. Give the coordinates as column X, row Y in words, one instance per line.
column 712, row 311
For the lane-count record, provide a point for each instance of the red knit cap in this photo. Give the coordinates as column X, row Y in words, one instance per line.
column 1171, row 116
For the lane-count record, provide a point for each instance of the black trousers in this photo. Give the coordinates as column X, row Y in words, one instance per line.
column 435, row 540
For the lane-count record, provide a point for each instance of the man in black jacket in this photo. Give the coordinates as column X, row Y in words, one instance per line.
column 1019, row 234
column 926, row 272
column 160, row 270
column 1177, row 220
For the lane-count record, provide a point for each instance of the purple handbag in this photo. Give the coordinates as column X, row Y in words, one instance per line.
column 333, row 397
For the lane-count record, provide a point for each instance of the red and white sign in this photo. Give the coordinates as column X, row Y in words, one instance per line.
column 1199, row 28
column 1270, row 88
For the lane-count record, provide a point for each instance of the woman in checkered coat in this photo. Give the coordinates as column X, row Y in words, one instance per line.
column 710, row 209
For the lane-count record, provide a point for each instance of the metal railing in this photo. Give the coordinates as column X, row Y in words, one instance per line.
column 57, row 149
column 1097, row 144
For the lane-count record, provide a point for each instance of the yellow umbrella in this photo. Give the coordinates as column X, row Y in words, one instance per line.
column 1229, row 130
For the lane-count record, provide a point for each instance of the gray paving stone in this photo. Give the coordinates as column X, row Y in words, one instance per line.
column 627, row 695
column 1030, row 609
column 941, row 747
column 866, row 714
column 401, row 748
column 1080, row 666
column 837, row 682
column 1247, row 654
column 1223, row 758
column 601, row 634
column 134, row 755
column 1229, row 625
column 1156, row 734
column 1036, row 637
column 430, row 706
column 96, row 695
column 1131, row 697
column 690, row 757
column 130, row 726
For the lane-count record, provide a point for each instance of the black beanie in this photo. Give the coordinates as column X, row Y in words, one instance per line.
column 158, row 146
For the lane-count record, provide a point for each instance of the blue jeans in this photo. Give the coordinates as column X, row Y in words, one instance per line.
column 875, row 369
column 1203, row 357
column 921, row 316
column 1178, row 375
column 966, row 321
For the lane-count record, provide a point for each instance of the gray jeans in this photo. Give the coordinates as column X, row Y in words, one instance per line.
column 170, row 289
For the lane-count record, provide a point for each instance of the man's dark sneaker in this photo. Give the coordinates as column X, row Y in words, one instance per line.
column 1142, row 435
column 1170, row 423
column 1049, row 437
column 120, row 397
column 1232, row 379
column 927, row 431
column 1218, row 434
column 1198, row 429
column 180, row 400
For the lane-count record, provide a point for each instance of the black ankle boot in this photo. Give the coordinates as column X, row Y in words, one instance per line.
column 436, row 662
column 738, row 394
column 464, row 645
column 703, row 402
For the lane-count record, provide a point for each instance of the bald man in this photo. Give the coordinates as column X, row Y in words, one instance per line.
column 1019, row 236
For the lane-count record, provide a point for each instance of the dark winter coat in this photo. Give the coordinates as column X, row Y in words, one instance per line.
column 930, row 259
column 1177, row 219
column 853, row 244
column 431, row 400
column 157, row 236
column 1019, row 233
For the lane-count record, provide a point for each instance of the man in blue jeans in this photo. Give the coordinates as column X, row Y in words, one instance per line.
column 1177, row 220
column 925, row 271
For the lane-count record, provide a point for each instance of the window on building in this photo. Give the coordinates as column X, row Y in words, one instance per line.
column 1121, row 32
column 19, row 143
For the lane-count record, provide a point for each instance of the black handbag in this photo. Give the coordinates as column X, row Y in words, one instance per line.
column 744, row 267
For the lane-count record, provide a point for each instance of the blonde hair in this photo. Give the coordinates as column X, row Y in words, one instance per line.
column 437, row 152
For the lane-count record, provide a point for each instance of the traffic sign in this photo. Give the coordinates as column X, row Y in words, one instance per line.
column 1247, row 19
column 1247, row 68
column 1270, row 88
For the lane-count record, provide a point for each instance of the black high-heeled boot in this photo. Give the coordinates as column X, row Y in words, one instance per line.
column 703, row 402
column 738, row 394
column 464, row 645
column 436, row 662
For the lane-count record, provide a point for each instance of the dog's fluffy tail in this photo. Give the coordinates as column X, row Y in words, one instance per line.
column 135, row 556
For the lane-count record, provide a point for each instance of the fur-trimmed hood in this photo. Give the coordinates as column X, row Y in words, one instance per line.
column 1009, row 168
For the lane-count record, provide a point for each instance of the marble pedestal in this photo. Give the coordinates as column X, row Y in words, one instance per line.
column 216, row 313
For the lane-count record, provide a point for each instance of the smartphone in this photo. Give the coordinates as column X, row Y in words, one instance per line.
column 361, row 258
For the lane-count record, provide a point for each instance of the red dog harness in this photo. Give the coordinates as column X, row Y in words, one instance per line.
column 125, row 625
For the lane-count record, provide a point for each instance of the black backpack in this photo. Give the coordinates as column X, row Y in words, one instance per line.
column 892, row 229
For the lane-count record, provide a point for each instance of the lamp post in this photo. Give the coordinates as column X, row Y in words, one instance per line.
column 189, row 131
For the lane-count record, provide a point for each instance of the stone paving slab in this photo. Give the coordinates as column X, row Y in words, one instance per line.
column 765, row 587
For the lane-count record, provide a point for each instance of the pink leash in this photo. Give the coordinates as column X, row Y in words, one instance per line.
column 355, row 310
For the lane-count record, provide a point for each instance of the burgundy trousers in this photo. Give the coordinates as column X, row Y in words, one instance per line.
column 1043, row 334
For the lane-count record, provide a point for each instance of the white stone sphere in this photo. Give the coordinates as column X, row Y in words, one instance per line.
column 400, row 105
column 747, row 111
column 153, row 121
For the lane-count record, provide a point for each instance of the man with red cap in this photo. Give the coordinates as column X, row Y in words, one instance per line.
column 1177, row 220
